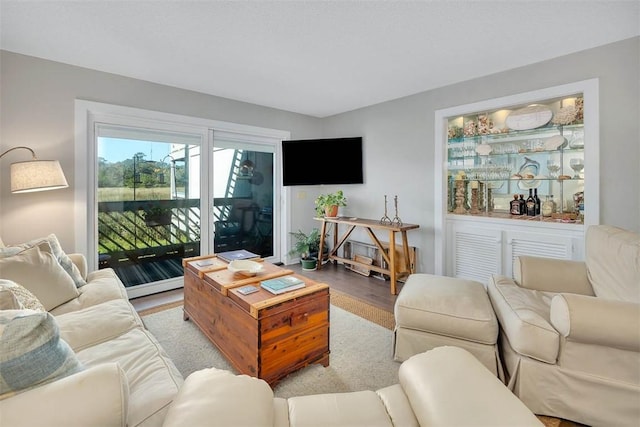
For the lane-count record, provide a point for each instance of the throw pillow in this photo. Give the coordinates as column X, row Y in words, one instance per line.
column 32, row 352
column 8, row 300
column 64, row 259
column 23, row 297
column 38, row 270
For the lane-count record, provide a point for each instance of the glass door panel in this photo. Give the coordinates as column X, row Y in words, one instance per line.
column 148, row 199
column 243, row 198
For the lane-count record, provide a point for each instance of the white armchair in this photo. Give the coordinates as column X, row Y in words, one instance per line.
column 570, row 331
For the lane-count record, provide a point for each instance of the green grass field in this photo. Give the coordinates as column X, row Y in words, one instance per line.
column 117, row 194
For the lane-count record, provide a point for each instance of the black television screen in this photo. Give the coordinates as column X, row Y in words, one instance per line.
column 322, row 161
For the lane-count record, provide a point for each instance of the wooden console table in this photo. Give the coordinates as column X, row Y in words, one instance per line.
column 369, row 225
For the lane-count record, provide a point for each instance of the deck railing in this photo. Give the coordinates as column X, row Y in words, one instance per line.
column 139, row 231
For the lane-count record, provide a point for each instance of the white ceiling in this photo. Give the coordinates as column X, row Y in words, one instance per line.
column 313, row 57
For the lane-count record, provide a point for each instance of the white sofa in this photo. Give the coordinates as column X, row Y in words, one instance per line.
column 446, row 386
column 570, row 331
column 128, row 380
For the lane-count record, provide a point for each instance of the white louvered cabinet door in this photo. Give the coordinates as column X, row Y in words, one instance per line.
column 539, row 244
column 476, row 253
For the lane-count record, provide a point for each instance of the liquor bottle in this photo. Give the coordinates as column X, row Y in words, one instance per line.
column 547, row 206
column 554, row 206
column 515, row 205
column 537, row 200
column 523, row 205
column 530, row 204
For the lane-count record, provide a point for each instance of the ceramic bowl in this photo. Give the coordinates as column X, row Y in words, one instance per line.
column 245, row 267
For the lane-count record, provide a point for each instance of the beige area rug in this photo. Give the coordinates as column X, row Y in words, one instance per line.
column 366, row 311
column 361, row 353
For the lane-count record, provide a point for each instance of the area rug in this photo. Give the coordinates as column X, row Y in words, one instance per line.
column 361, row 354
column 362, row 309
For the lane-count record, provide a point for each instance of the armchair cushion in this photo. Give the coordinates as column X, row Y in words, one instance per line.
column 551, row 275
column 524, row 317
column 593, row 320
column 613, row 261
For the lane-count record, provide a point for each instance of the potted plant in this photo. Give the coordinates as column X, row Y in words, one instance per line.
column 306, row 246
column 156, row 216
column 327, row 204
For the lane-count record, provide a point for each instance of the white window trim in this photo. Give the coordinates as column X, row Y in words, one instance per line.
column 87, row 113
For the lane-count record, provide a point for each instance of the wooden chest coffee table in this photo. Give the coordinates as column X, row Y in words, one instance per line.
column 263, row 335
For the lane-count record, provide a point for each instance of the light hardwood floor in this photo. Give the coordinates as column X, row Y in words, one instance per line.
column 371, row 290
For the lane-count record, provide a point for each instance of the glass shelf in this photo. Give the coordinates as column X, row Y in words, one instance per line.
column 519, row 135
column 513, row 153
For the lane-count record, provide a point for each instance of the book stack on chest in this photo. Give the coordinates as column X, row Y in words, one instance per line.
column 283, row 284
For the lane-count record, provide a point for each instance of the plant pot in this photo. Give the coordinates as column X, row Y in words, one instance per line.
column 331, row 211
column 309, row 264
column 158, row 220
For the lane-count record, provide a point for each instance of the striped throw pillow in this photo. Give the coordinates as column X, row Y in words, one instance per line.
column 32, row 352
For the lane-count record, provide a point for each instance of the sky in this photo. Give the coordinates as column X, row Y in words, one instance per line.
column 116, row 150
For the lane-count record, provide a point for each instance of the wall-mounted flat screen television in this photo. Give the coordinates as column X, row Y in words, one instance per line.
column 322, row 161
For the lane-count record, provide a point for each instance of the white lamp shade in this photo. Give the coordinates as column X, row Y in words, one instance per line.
column 37, row 175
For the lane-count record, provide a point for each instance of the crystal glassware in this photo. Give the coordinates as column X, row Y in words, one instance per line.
column 553, row 167
column 577, row 165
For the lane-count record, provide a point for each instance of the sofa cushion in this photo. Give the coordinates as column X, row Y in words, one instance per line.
column 447, row 306
column 56, row 249
column 398, row 406
column 32, row 352
column 94, row 397
column 447, row 386
column 153, row 379
column 216, row 397
column 87, row 327
column 102, row 285
column 355, row 409
column 524, row 315
column 23, row 298
column 613, row 262
column 37, row 269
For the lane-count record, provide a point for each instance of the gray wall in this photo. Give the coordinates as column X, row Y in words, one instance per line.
column 399, row 137
column 37, row 106
column 37, row 110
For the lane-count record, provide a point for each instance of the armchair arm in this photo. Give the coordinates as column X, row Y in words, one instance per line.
column 552, row 275
column 215, row 397
column 97, row 396
column 593, row 320
column 81, row 262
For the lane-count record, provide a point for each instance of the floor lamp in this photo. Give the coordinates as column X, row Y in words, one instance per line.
column 35, row 175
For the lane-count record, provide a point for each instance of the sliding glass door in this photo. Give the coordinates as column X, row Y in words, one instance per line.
column 148, row 197
column 153, row 188
column 243, row 196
